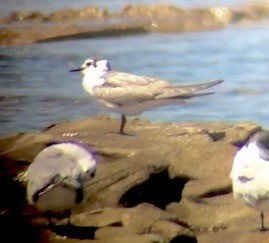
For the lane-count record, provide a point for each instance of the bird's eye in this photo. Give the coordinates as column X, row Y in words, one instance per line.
column 91, row 173
column 88, row 64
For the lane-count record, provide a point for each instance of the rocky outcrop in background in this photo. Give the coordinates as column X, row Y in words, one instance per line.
column 33, row 27
column 163, row 182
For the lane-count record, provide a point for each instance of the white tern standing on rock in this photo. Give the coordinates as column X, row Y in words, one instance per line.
column 129, row 94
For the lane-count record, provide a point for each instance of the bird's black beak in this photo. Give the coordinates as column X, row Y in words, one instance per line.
column 76, row 69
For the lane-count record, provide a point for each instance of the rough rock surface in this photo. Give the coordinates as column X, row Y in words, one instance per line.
column 32, row 27
column 163, row 182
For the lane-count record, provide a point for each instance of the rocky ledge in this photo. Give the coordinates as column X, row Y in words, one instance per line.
column 163, row 182
column 26, row 28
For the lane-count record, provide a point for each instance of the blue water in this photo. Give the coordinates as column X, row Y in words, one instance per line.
column 36, row 88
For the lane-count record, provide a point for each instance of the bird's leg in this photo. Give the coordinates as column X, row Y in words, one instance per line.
column 123, row 121
column 262, row 221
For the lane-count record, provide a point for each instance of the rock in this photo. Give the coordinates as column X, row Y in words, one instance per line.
column 244, row 229
column 170, row 230
column 20, row 16
column 132, row 19
column 254, row 11
column 140, row 217
column 146, row 238
column 115, row 231
column 215, row 213
column 168, row 18
column 58, row 31
column 89, row 12
column 223, row 14
column 163, row 182
column 138, row 220
column 7, row 36
column 151, row 11
column 26, row 147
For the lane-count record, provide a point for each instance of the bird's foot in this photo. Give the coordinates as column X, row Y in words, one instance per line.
column 263, row 229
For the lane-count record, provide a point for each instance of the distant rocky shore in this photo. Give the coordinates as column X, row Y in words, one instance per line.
column 20, row 28
column 164, row 182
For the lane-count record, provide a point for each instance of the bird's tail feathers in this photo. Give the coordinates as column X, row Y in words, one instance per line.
column 188, row 96
column 188, row 91
column 201, row 86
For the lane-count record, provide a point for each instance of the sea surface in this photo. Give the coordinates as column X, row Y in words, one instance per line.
column 37, row 89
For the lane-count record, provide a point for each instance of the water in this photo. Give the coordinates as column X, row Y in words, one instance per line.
column 36, row 88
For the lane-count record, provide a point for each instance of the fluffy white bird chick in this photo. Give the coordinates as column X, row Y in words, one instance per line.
column 57, row 176
column 250, row 173
column 129, row 94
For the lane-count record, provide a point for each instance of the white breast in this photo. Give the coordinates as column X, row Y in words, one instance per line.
column 89, row 84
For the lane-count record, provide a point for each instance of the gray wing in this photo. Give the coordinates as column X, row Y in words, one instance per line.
column 188, row 91
column 119, row 79
column 123, row 88
column 50, row 166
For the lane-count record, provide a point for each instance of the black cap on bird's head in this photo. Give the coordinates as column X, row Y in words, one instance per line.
column 261, row 139
column 93, row 63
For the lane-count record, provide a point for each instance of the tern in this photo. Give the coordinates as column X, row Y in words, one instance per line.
column 250, row 173
column 129, row 94
column 57, row 176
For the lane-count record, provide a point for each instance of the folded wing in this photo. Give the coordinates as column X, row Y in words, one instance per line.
column 122, row 88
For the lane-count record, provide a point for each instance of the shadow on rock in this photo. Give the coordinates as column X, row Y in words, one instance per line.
column 13, row 193
column 17, row 228
column 158, row 190
column 184, row 238
column 72, row 231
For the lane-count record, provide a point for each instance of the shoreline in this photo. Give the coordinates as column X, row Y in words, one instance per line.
column 22, row 28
